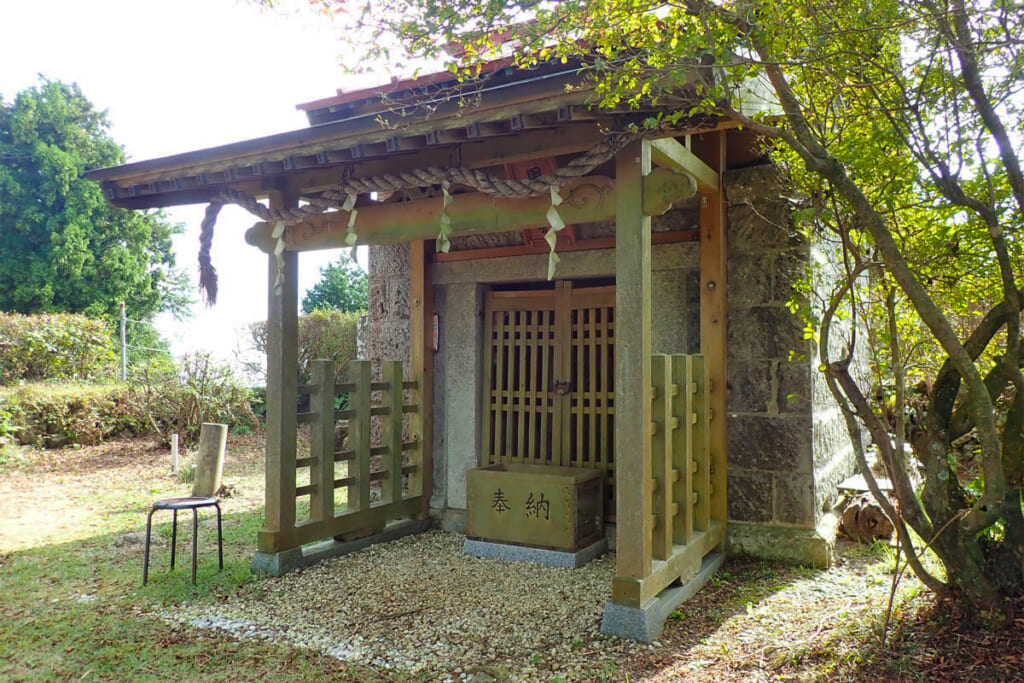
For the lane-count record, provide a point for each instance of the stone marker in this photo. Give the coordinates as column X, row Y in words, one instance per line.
column 210, row 461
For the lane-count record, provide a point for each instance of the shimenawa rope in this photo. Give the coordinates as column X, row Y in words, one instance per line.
column 488, row 184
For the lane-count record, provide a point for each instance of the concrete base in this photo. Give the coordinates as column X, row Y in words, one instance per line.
column 646, row 623
column 280, row 563
column 807, row 547
column 522, row 553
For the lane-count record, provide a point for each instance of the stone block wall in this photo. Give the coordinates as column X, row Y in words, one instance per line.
column 786, row 449
column 833, row 451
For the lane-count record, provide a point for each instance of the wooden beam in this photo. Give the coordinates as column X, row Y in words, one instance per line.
column 322, row 441
column 667, row 237
column 421, row 361
column 316, row 168
column 670, row 153
column 282, row 382
column 713, row 308
column 683, row 563
column 348, row 523
column 632, row 366
column 590, row 199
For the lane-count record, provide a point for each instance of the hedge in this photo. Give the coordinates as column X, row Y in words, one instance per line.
column 61, row 346
column 163, row 399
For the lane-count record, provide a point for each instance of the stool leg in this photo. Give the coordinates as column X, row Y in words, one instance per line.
column 145, row 563
column 174, row 537
column 220, row 539
column 195, row 539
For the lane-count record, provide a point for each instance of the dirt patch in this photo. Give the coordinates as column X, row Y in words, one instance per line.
column 61, row 495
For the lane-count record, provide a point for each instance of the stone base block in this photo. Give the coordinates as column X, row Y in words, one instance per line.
column 522, row 553
column 280, row 563
column 806, row 547
column 450, row 519
column 646, row 623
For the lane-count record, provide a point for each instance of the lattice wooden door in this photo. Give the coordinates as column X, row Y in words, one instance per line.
column 549, row 389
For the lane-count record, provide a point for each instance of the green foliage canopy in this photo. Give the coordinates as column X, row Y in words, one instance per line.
column 342, row 287
column 62, row 247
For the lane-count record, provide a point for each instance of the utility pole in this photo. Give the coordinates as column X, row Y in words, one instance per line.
column 124, row 344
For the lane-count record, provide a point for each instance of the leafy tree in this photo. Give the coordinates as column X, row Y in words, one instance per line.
column 342, row 287
column 63, row 248
column 900, row 125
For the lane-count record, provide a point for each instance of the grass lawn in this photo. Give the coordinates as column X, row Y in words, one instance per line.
column 72, row 604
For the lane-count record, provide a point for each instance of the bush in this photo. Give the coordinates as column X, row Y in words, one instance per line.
column 54, row 346
column 181, row 397
column 165, row 398
column 55, row 415
column 321, row 334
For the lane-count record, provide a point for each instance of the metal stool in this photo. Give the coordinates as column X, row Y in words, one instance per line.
column 192, row 503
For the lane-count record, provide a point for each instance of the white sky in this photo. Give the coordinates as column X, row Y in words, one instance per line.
column 177, row 76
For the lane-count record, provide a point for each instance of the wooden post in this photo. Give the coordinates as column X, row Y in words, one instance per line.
column 282, row 380
column 393, row 429
column 700, row 482
column 359, row 435
column 681, row 411
column 321, row 446
column 632, row 374
column 421, row 361
column 562, row 414
column 713, row 308
column 661, row 452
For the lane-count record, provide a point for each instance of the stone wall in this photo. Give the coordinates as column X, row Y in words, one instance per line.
column 833, row 451
column 785, row 454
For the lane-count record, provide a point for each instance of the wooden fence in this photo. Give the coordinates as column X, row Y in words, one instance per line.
column 683, row 527
column 390, row 468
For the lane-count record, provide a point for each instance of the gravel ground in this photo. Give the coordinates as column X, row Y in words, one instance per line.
column 420, row 605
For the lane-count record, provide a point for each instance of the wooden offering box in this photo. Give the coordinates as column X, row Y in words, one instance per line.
column 549, row 507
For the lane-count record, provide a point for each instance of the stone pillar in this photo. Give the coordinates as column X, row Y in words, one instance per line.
column 775, row 500
column 213, row 438
column 461, row 355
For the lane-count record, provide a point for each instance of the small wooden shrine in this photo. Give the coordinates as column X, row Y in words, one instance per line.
column 576, row 263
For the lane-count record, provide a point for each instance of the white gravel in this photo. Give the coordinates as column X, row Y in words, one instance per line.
column 419, row 604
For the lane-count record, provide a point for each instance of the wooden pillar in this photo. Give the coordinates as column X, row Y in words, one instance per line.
column 713, row 306
column 282, row 380
column 633, row 510
column 421, row 361
column 321, row 441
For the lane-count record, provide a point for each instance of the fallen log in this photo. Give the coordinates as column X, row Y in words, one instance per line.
column 863, row 520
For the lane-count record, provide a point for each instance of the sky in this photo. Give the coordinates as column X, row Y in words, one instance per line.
column 178, row 76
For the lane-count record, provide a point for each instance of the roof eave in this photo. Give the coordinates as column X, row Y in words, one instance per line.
column 375, row 126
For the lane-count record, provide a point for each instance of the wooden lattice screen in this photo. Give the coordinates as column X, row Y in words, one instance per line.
column 358, row 489
column 549, row 378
